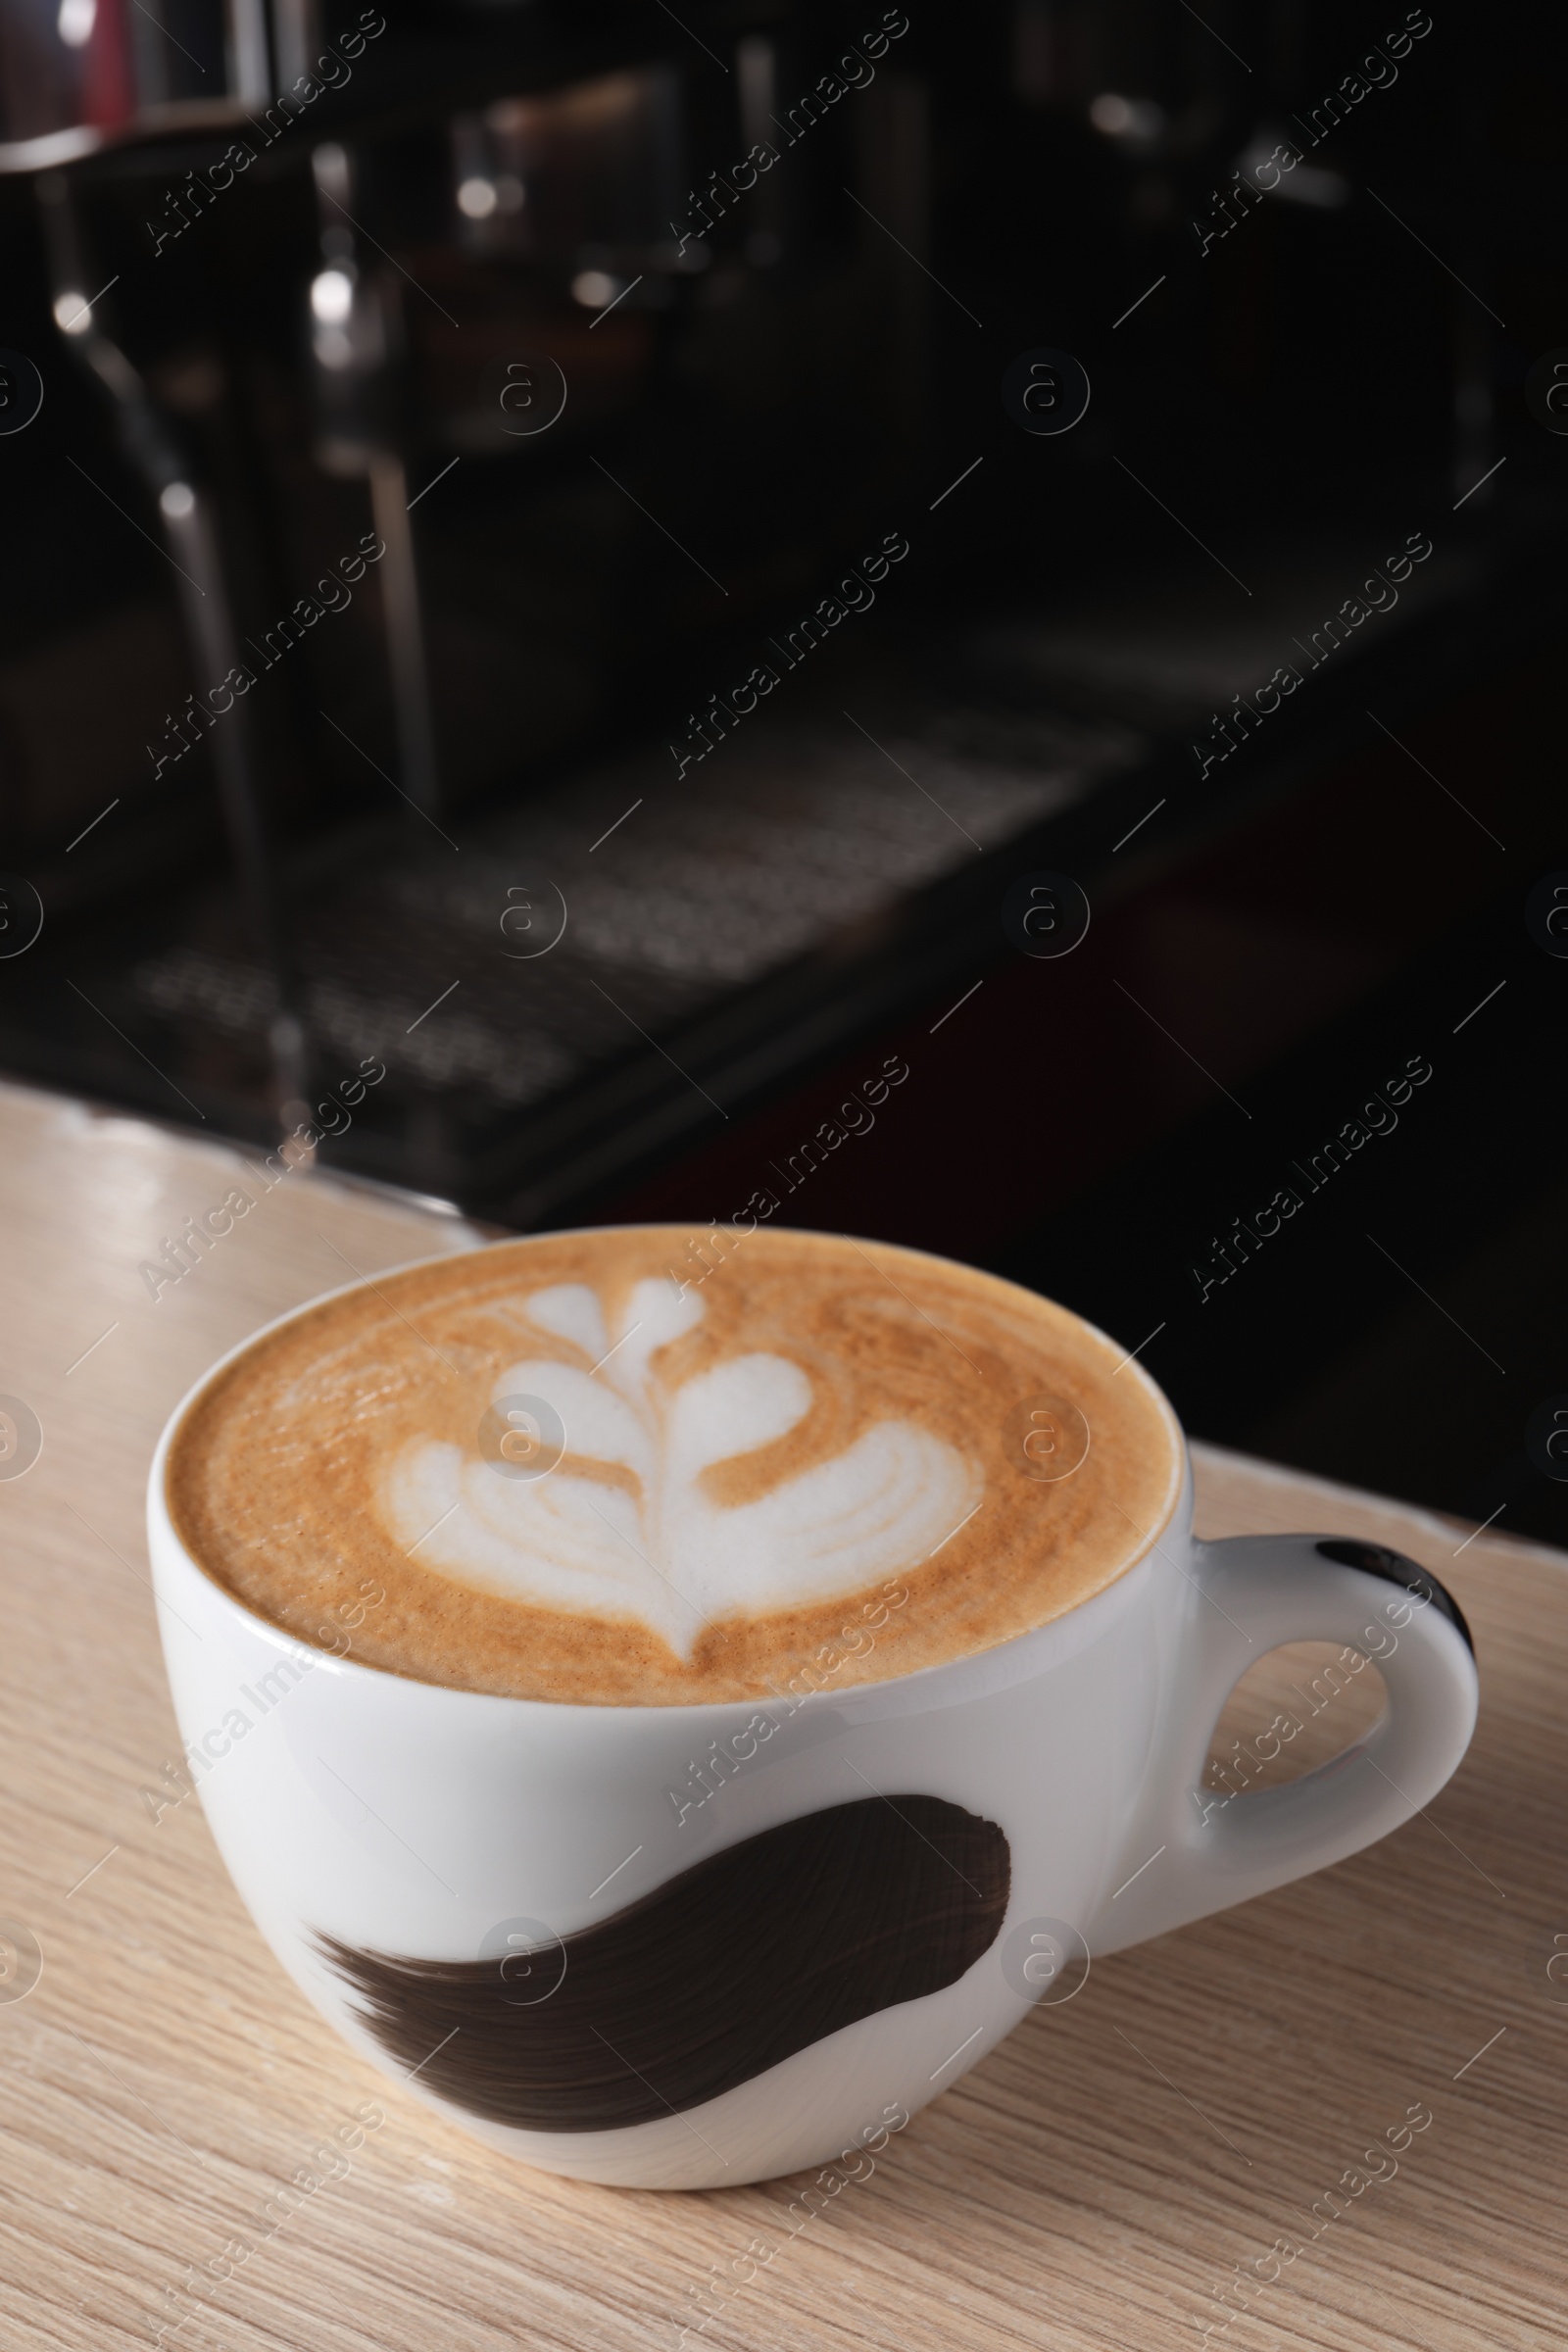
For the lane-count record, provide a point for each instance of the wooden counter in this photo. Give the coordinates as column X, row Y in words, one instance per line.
column 1090, row 2185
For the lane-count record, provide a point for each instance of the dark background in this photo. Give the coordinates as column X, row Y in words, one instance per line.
column 1344, row 369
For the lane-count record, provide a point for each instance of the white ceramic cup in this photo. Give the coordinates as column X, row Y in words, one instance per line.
column 442, row 1826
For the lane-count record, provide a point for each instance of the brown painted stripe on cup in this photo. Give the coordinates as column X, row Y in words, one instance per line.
column 714, row 1977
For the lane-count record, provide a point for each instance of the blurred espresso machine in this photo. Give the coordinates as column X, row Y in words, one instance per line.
column 306, row 262
column 305, row 258
column 418, row 421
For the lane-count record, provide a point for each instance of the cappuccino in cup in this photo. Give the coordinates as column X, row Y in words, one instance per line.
column 578, row 1473
column 707, row 1703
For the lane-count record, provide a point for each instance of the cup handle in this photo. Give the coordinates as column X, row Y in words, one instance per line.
column 1247, row 1596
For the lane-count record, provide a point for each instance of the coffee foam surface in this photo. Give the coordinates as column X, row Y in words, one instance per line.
column 570, row 1473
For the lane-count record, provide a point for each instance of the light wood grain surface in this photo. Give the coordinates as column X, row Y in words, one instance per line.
column 1090, row 2185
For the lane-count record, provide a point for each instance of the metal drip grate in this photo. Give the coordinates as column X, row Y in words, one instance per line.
column 709, row 885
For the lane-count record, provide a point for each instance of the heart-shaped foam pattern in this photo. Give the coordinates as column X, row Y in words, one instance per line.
column 623, row 1525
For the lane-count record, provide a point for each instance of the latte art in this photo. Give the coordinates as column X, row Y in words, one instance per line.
column 579, row 1477
column 625, row 1527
